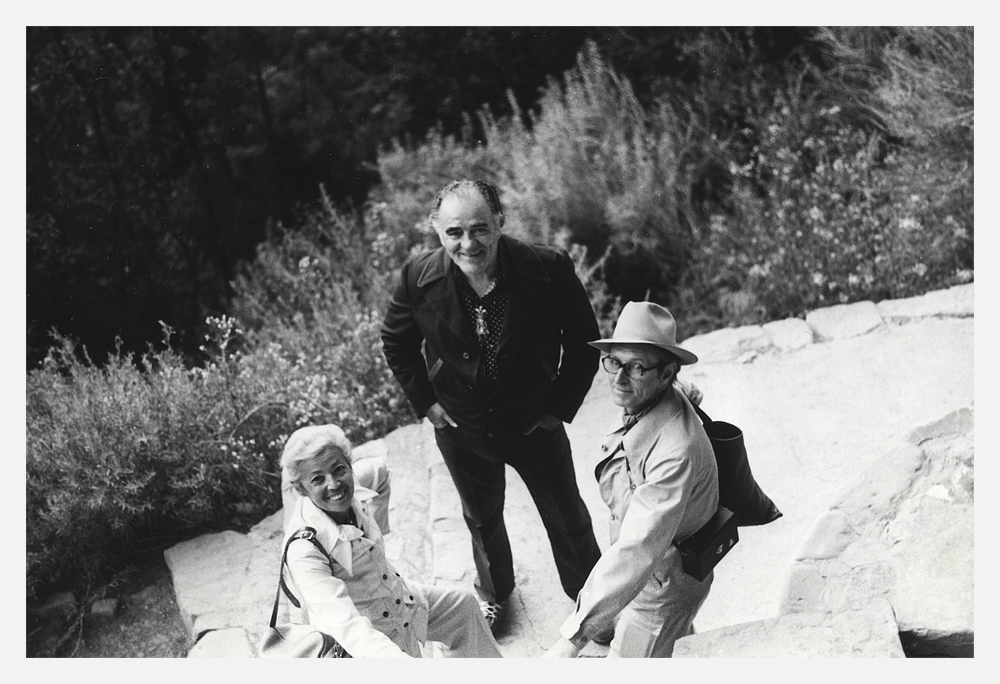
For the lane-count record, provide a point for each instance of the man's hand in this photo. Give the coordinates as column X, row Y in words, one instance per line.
column 563, row 648
column 544, row 421
column 439, row 417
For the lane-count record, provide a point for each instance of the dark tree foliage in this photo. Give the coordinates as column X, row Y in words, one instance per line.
column 157, row 158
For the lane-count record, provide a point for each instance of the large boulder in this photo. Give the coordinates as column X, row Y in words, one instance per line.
column 904, row 533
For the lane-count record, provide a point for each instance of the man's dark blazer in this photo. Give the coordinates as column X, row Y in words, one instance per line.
column 544, row 362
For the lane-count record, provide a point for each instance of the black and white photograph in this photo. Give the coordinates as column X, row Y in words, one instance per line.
column 640, row 338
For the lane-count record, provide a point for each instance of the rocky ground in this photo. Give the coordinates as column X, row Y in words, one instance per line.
column 145, row 624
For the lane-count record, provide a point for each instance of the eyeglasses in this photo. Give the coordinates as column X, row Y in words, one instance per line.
column 633, row 369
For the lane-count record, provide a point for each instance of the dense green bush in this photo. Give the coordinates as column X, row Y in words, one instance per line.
column 822, row 216
column 120, row 455
column 313, row 300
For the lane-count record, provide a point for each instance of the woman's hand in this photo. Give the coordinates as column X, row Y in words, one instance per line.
column 563, row 648
column 439, row 417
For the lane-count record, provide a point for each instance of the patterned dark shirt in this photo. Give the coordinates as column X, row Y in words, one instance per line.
column 486, row 315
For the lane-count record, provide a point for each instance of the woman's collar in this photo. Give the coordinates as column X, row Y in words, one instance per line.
column 338, row 537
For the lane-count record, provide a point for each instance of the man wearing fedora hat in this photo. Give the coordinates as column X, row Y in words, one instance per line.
column 659, row 478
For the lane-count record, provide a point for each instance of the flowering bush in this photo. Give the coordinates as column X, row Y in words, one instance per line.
column 315, row 298
column 139, row 450
column 827, row 214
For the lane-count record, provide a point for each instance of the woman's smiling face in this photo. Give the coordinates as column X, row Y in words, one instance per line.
column 469, row 232
column 328, row 480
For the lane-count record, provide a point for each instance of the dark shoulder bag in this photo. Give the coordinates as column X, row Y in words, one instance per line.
column 738, row 491
column 741, row 501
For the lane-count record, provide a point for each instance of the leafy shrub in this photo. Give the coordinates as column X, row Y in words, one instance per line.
column 825, row 209
column 314, row 300
column 139, row 449
column 822, row 220
column 599, row 167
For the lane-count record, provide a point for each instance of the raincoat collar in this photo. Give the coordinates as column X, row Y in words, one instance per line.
column 336, row 538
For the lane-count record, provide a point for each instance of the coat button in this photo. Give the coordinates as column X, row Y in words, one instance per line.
column 465, row 355
column 385, row 577
column 489, row 435
column 385, row 613
column 604, row 447
column 398, row 601
column 631, row 486
column 406, row 624
column 411, row 598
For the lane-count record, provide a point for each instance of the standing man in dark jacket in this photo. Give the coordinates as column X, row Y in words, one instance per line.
column 488, row 337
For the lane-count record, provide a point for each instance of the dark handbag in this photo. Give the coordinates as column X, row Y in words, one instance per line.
column 738, row 491
column 703, row 550
column 292, row 640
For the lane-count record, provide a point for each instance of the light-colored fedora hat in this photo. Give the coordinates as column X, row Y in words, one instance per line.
column 646, row 323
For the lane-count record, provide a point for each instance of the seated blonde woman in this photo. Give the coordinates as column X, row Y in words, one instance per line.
column 348, row 589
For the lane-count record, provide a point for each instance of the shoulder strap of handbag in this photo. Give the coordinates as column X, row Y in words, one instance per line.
column 701, row 414
column 309, row 534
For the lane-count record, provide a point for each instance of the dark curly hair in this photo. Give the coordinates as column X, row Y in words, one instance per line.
column 486, row 191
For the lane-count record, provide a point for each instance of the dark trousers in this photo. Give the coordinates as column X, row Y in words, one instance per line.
column 544, row 461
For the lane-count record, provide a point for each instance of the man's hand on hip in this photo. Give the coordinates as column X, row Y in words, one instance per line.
column 439, row 417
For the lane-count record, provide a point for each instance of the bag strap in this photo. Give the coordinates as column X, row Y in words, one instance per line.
column 701, row 414
column 309, row 534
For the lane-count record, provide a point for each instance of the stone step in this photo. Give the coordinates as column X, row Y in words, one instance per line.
column 409, row 452
column 538, row 605
column 868, row 631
